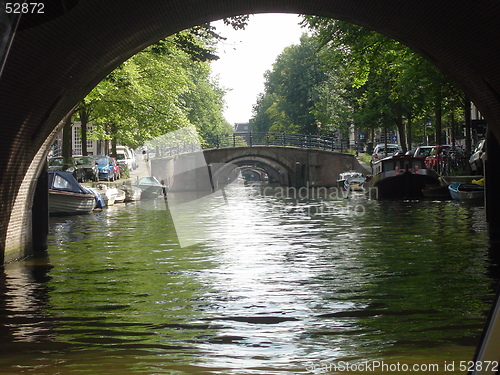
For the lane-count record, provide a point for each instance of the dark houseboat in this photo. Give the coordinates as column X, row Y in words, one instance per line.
column 402, row 176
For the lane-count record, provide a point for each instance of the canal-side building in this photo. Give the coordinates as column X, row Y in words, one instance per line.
column 241, row 128
column 94, row 147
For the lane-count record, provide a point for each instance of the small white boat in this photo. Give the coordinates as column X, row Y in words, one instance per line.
column 150, row 187
column 355, row 183
column 132, row 193
column 352, row 180
column 67, row 196
column 108, row 194
column 119, row 195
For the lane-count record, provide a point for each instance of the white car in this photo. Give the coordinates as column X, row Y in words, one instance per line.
column 125, row 155
column 380, row 151
column 476, row 161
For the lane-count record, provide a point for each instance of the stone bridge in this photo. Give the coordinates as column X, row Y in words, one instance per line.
column 50, row 61
column 287, row 166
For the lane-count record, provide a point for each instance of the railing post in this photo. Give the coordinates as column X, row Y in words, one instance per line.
column 234, row 140
column 298, row 175
column 250, row 138
column 267, row 139
column 217, row 141
column 284, row 138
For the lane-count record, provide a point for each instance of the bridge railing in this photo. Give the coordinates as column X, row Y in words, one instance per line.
column 251, row 139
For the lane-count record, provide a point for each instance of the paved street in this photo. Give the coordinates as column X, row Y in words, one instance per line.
column 143, row 170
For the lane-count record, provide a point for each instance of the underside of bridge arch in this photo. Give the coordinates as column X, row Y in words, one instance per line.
column 255, row 173
column 277, row 172
column 56, row 58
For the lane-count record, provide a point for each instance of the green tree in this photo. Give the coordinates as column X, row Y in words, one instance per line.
column 163, row 88
column 204, row 103
column 390, row 84
column 287, row 103
column 140, row 99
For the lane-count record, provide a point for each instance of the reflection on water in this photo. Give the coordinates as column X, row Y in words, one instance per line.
column 279, row 284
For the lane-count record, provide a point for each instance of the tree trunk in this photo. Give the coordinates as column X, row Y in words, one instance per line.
column 66, row 138
column 439, row 125
column 84, row 119
column 408, row 132
column 467, row 119
column 402, row 134
column 113, row 147
column 113, row 140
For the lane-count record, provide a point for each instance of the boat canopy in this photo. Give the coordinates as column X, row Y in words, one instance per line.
column 64, row 181
column 149, row 181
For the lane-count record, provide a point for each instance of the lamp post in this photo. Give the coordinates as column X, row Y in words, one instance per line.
column 427, row 124
column 452, row 129
column 318, row 126
column 452, row 115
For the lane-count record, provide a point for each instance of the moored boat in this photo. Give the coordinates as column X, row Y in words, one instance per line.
column 119, row 196
column 351, row 180
column 132, row 193
column 402, row 176
column 99, row 200
column 108, row 194
column 67, row 196
column 355, row 183
column 466, row 192
column 150, row 187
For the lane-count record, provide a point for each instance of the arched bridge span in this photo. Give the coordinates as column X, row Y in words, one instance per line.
column 295, row 166
column 56, row 58
column 287, row 166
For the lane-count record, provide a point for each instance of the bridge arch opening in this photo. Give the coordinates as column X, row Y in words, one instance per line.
column 32, row 116
column 89, row 50
column 256, row 173
column 276, row 171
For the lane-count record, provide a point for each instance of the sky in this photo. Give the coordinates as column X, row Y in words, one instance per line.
column 247, row 54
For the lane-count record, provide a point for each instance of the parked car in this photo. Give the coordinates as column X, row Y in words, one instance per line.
column 89, row 165
column 476, row 161
column 411, row 152
column 380, row 152
column 105, row 166
column 444, row 158
column 125, row 155
column 59, row 163
column 422, row 151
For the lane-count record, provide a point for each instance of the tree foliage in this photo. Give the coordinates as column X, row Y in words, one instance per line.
column 287, row 102
column 345, row 74
column 165, row 87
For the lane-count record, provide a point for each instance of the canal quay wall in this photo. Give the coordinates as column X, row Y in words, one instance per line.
column 297, row 167
column 198, row 178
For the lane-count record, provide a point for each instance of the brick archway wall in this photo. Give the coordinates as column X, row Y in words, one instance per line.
column 56, row 59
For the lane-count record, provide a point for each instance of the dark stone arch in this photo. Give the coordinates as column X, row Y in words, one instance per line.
column 283, row 173
column 55, row 61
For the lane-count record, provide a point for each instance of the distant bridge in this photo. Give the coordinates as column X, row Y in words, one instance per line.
column 285, row 159
column 190, row 143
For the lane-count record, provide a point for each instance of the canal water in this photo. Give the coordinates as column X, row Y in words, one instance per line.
column 280, row 282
